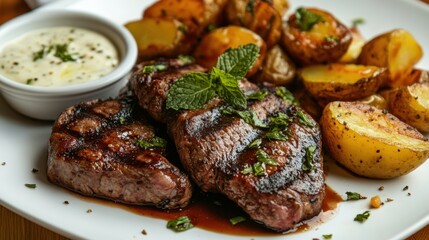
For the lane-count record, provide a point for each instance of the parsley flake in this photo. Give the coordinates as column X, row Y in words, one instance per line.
column 357, row 21
column 153, row 68
column 286, row 95
column 180, row 224
column 307, row 164
column 354, row 196
column 154, row 142
column 248, row 116
column 255, row 144
column 259, row 95
column 236, row 220
column 303, row 118
column 31, row 185
column 327, row 236
column 362, row 216
column 306, row 19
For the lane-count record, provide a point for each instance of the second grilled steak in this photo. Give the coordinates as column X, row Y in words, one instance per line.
column 279, row 183
column 108, row 149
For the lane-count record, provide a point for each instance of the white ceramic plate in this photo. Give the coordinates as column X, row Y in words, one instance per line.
column 24, row 145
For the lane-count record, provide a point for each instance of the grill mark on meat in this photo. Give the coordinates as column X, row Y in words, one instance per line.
column 213, row 149
column 93, row 150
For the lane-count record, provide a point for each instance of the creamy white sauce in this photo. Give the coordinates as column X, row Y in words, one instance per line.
column 58, row 56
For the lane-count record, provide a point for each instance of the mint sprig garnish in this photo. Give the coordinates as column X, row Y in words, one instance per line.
column 194, row 90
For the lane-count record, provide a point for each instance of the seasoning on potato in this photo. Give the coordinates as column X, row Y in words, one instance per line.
column 314, row 36
column 370, row 142
column 410, row 104
column 344, row 82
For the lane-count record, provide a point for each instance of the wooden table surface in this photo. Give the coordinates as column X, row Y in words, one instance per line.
column 13, row 226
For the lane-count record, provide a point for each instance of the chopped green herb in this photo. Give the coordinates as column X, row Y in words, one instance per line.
column 332, row 39
column 217, row 203
column 259, row 95
column 357, row 21
column 259, row 169
column 237, row 220
column 306, row 19
column 276, row 134
column 180, row 224
column 31, row 185
column 211, row 27
column 362, row 216
column 186, row 59
column 248, row 116
column 154, row 142
column 153, row 68
column 247, row 170
column 286, row 95
column 250, row 7
column 354, row 196
column 122, row 120
column 327, row 236
column 282, row 120
column 39, row 55
column 29, row 81
column 183, row 29
column 263, row 157
column 255, row 144
column 193, row 90
column 307, row 164
column 62, row 53
column 303, row 118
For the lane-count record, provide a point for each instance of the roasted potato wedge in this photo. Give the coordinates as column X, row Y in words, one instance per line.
column 158, row 37
column 259, row 16
column 396, row 50
column 314, row 36
column 344, row 82
column 355, row 47
column 410, row 104
column 196, row 15
column 370, row 142
column 219, row 40
column 277, row 68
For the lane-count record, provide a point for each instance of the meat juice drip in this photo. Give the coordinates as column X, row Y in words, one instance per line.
column 212, row 212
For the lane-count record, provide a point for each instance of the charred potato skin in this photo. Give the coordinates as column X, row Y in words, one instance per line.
column 312, row 47
column 277, row 68
column 326, row 92
column 216, row 42
column 383, row 158
column 406, row 106
column 261, row 17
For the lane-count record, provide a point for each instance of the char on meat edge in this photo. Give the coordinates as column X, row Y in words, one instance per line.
column 109, row 149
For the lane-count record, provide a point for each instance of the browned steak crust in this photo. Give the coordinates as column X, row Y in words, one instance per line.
column 94, row 150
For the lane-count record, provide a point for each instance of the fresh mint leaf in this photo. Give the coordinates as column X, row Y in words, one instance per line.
column 248, row 116
column 303, row 118
column 255, row 144
column 154, row 142
column 259, row 95
column 362, row 216
column 228, row 89
column 307, row 164
column 263, row 157
column 286, row 95
column 282, row 120
column 354, row 196
column 306, row 19
column 276, row 134
column 191, row 91
column 238, row 61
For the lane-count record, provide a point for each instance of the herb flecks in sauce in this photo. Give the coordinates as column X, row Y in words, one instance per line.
column 180, row 224
column 58, row 56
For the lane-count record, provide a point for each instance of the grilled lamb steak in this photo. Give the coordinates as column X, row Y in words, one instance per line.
column 100, row 148
column 214, row 148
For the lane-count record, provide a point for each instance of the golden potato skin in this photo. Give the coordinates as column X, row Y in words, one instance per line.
column 370, row 142
column 277, row 68
column 314, row 46
column 410, row 104
column 375, row 100
column 259, row 16
column 158, row 37
column 196, row 15
column 396, row 50
column 219, row 40
column 345, row 82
